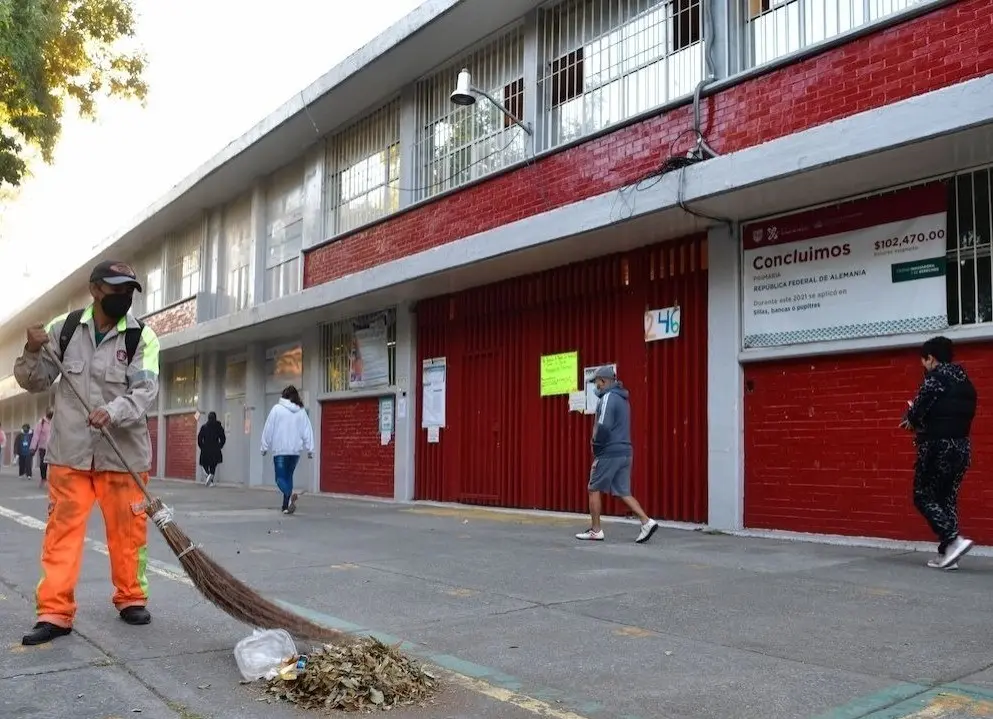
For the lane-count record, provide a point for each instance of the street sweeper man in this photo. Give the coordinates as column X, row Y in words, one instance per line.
column 113, row 359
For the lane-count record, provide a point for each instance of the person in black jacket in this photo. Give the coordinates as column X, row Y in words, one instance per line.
column 211, row 441
column 941, row 416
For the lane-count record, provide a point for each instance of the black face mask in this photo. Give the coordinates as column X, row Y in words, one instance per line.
column 115, row 306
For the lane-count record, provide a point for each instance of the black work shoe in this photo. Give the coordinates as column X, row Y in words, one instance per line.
column 43, row 633
column 136, row 615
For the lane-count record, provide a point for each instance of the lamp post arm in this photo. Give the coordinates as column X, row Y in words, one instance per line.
column 504, row 110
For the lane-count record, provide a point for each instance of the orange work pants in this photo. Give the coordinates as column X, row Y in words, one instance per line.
column 71, row 493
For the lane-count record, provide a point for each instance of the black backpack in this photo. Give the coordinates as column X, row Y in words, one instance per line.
column 132, row 335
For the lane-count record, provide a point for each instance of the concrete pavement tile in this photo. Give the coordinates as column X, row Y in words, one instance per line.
column 87, row 693
column 906, row 574
column 519, row 573
column 377, row 599
column 635, row 672
column 924, row 640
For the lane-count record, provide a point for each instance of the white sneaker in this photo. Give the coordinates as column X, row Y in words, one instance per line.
column 955, row 551
column 647, row 530
column 590, row 536
column 210, row 480
column 936, row 563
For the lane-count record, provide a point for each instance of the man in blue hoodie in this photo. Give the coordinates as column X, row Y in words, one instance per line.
column 612, row 454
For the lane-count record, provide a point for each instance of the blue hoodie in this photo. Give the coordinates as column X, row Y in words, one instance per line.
column 612, row 425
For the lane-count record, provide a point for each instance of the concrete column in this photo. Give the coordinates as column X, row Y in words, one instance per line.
column 255, row 406
column 212, row 385
column 257, row 287
column 314, row 231
column 724, row 381
column 405, row 429
column 533, row 99
column 409, row 155
column 313, row 386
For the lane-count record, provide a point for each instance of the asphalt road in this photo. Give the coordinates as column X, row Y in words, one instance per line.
column 526, row 620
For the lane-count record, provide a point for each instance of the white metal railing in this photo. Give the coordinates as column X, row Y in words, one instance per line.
column 456, row 145
column 338, row 348
column 605, row 61
column 362, row 171
column 970, row 227
column 775, row 28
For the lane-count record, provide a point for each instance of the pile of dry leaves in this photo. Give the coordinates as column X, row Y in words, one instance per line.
column 365, row 676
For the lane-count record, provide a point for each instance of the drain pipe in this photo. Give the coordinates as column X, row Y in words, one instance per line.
column 703, row 149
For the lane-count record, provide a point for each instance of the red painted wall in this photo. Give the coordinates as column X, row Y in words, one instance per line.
column 936, row 50
column 353, row 460
column 175, row 318
column 506, row 445
column 823, row 453
column 181, row 446
column 153, row 435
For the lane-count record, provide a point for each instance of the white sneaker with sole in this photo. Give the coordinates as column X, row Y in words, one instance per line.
column 590, row 536
column 647, row 530
column 936, row 563
column 959, row 547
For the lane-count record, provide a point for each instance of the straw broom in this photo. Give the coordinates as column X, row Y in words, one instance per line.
column 216, row 584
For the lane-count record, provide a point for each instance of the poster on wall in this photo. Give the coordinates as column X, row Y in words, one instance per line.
column 368, row 357
column 434, row 380
column 558, row 373
column 863, row 269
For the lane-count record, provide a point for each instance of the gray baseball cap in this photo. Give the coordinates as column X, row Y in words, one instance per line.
column 606, row 372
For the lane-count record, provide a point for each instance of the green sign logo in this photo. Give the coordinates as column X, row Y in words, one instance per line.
column 917, row 270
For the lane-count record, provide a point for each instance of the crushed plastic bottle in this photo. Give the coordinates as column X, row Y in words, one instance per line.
column 263, row 652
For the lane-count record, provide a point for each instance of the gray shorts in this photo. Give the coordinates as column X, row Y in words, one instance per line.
column 611, row 475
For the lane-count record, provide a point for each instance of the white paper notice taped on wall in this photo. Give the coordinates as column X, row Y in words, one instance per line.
column 434, row 435
column 862, row 269
column 434, row 381
column 590, row 388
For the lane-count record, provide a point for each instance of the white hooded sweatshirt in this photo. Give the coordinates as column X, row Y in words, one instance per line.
column 287, row 430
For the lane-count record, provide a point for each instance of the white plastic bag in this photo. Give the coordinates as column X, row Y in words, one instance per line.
column 265, row 650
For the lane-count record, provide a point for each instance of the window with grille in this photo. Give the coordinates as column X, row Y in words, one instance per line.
column 605, row 61
column 363, row 171
column 182, row 391
column 183, row 256
column 456, row 145
column 341, row 347
column 970, row 227
column 284, row 232
column 774, row 28
column 238, row 243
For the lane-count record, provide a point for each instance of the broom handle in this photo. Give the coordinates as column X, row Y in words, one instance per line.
column 103, row 430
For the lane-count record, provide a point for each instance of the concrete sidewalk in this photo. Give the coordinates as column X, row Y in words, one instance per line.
column 530, row 621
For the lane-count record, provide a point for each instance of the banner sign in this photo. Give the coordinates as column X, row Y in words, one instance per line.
column 863, row 269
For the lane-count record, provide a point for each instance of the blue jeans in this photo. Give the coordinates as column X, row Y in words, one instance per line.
column 284, row 466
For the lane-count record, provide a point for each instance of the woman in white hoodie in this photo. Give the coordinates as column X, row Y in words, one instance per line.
column 287, row 432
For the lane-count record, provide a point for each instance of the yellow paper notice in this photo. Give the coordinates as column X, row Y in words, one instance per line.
column 559, row 373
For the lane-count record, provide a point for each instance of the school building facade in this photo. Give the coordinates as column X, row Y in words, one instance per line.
column 754, row 209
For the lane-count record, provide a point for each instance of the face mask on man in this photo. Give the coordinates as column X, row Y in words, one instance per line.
column 115, row 306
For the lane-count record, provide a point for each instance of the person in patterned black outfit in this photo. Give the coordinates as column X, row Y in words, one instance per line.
column 941, row 417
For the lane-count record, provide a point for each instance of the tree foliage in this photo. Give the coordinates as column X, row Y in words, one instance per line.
column 55, row 53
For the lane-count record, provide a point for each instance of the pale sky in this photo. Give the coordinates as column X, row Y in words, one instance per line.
column 214, row 72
